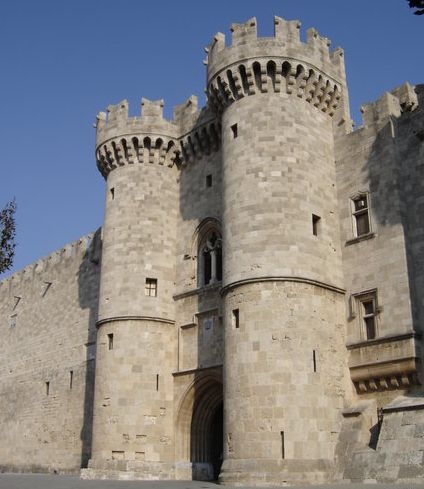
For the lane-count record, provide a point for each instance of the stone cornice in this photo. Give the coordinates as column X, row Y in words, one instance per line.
column 274, row 74
column 156, row 319
column 303, row 280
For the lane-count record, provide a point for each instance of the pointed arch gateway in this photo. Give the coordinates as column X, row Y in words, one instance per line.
column 199, row 430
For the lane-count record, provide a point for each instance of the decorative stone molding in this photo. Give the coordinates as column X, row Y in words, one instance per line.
column 203, row 140
column 135, row 149
column 275, row 75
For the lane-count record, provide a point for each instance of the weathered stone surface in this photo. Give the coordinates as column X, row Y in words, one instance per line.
column 256, row 287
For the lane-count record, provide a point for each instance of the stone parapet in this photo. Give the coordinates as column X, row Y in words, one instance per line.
column 123, row 140
column 281, row 63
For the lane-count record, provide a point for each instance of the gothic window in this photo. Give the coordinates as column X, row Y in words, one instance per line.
column 361, row 215
column 210, row 259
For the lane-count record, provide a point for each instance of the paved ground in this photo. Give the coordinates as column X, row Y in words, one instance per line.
column 42, row 481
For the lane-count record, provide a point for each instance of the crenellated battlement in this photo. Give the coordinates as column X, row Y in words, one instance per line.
column 116, row 122
column 56, row 260
column 286, row 43
column 200, row 130
column 282, row 63
column 123, row 140
column 390, row 104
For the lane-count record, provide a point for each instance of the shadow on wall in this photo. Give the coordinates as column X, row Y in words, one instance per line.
column 88, row 296
column 395, row 169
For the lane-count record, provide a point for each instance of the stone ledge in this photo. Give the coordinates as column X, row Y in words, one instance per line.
column 384, row 339
column 358, row 239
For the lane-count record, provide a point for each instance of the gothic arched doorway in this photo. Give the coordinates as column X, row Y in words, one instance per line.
column 200, row 428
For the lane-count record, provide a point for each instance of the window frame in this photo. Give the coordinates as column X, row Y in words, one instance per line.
column 151, row 285
column 360, row 299
column 356, row 213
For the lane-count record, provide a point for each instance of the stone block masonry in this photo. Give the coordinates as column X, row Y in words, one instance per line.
column 49, row 312
column 251, row 310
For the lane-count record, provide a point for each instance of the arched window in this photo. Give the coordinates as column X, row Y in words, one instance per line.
column 210, row 255
column 208, row 248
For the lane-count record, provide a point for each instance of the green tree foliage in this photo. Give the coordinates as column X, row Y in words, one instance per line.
column 418, row 5
column 7, row 236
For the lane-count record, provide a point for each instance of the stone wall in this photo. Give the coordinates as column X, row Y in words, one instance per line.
column 48, row 312
column 286, row 372
column 381, row 160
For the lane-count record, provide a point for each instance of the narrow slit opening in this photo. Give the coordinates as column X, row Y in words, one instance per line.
column 316, row 224
column 236, row 318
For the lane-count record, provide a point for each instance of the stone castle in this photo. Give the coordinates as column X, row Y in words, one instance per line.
column 251, row 308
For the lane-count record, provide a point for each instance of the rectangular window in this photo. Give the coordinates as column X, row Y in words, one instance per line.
column 314, row 359
column 236, row 318
column 283, row 448
column 368, row 315
column 361, row 217
column 110, row 341
column 367, row 309
column 112, row 193
column 208, row 180
column 47, row 388
column 316, row 224
column 234, row 129
column 151, row 287
column 71, row 379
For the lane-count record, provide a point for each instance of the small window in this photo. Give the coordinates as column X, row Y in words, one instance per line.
column 47, row 388
column 361, row 217
column 151, row 287
column 208, row 181
column 112, row 193
column 234, row 129
column 71, row 379
column 367, row 308
column 110, row 341
column 368, row 316
column 236, row 318
column 316, row 224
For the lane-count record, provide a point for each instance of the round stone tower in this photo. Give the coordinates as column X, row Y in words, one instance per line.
column 133, row 420
column 280, row 101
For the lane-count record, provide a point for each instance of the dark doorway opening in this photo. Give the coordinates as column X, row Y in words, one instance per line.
column 207, row 433
column 217, row 441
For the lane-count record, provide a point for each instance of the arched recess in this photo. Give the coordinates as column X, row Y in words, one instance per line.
column 199, row 430
column 207, row 248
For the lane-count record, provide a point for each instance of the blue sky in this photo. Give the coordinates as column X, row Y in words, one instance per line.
column 62, row 61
